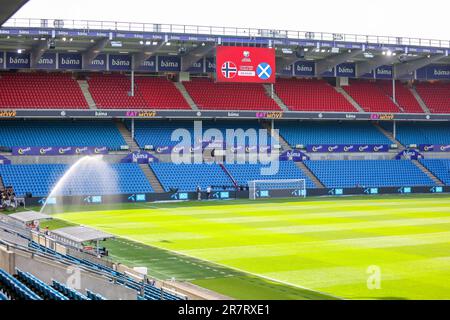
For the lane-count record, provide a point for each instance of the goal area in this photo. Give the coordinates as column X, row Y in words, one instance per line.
column 282, row 188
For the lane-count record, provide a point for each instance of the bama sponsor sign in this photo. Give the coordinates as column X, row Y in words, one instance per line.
column 47, row 61
column 434, row 147
column 119, row 62
column 197, row 67
column 98, row 63
column 305, row 68
column 2, row 60
column 434, row 72
column 148, row 65
column 140, row 157
column 346, row 70
column 245, row 64
column 210, row 65
column 16, row 60
column 169, row 63
column 340, row 148
column 70, row 61
column 57, row 151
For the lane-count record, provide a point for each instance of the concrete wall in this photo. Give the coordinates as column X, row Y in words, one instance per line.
column 7, row 261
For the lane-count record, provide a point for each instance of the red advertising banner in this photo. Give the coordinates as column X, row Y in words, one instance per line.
column 245, row 64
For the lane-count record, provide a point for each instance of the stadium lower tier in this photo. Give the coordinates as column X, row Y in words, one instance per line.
column 41, row 179
column 127, row 179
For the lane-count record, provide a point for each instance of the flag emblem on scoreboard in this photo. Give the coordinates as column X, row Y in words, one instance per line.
column 264, row 71
column 229, row 70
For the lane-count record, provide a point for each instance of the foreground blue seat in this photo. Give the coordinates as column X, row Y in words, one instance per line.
column 20, row 290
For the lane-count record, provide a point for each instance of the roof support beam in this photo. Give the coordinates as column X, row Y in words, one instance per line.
column 365, row 67
column 140, row 57
column 93, row 51
column 332, row 61
column 283, row 62
column 37, row 51
column 195, row 55
column 411, row 66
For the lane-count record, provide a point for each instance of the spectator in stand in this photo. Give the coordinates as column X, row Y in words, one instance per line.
column 208, row 192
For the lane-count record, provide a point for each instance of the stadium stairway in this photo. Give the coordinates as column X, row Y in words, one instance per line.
column 389, row 135
column 2, row 186
column 84, row 86
column 275, row 97
column 152, row 178
column 349, row 99
column 283, row 143
column 127, row 136
column 420, row 100
column 186, row 95
column 310, row 174
column 435, row 179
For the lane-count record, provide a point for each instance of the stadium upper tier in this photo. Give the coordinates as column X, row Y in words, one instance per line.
column 325, row 132
column 37, row 133
column 369, row 173
column 404, row 97
column 40, row 179
column 436, row 96
column 421, row 133
column 40, row 91
column 225, row 96
column 311, row 95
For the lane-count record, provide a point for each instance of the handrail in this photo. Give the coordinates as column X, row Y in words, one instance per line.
column 222, row 31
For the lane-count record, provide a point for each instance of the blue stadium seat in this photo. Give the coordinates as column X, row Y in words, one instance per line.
column 127, row 178
column 243, row 173
column 421, row 133
column 309, row 133
column 18, row 289
column 39, row 286
column 369, row 173
column 439, row 167
column 186, row 177
column 3, row 296
column 68, row 292
column 60, row 133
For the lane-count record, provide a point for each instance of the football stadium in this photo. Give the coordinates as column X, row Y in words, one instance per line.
column 143, row 161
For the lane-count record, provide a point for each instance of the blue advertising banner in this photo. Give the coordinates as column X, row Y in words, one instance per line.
column 169, row 63
column 340, row 148
column 210, row 66
column 293, row 155
column 70, row 61
column 4, row 160
column 384, row 72
column 329, row 73
column 148, row 65
column 47, row 61
column 434, row 148
column 346, row 70
column 286, row 71
column 434, row 72
column 119, row 62
column 55, row 151
column 99, row 63
column 305, row 68
column 409, row 154
column 197, row 67
column 2, row 60
column 140, row 157
column 16, row 60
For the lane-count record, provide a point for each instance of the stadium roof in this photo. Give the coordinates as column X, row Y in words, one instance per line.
column 81, row 234
column 29, row 216
column 9, row 8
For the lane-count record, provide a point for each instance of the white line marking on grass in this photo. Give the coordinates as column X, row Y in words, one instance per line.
column 242, row 271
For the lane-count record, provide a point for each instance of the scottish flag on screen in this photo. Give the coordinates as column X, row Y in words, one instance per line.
column 264, row 71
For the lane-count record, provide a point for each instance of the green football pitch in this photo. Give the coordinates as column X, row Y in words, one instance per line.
column 395, row 247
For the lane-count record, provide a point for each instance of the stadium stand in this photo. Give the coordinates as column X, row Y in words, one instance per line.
column 243, row 173
column 435, row 95
column 186, row 177
column 111, row 92
column 68, row 292
column 40, row 179
column 439, row 167
column 421, row 133
column 368, row 173
column 3, row 297
column 311, row 95
column 226, row 96
column 15, row 288
column 40, row 91
column 39, row 287
column 370, row 96
column 80, row 133
column 324, row 132
column 160, row 93
column 405, row 99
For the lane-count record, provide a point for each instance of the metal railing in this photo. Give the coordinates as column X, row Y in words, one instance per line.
column 87, row 25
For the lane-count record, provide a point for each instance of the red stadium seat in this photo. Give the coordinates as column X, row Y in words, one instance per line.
column 435, row 95
column 405, row 99
column 229, row 96
column 40, row 91
column 311, row 95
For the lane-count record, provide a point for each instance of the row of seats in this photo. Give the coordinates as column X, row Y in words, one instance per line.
column 435, row 95
column 368, row 173
column 439, row 167
column 42, row 289
column 421, row 133
column 89, row 179
column 15, row 288
column 403, row 96
column 40, row 91
column 80, row 133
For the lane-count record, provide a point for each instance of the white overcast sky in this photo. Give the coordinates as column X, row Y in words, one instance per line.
column 410, row 18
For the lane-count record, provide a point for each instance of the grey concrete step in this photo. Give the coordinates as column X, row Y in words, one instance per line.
column 275, row 97
column 84, row 86
column 420, row 100
column 126, row 134
column 310, row 174
column 390, row 136
column 186, row 95
column 152, row 178
column 349, row 99
column 425, row 170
